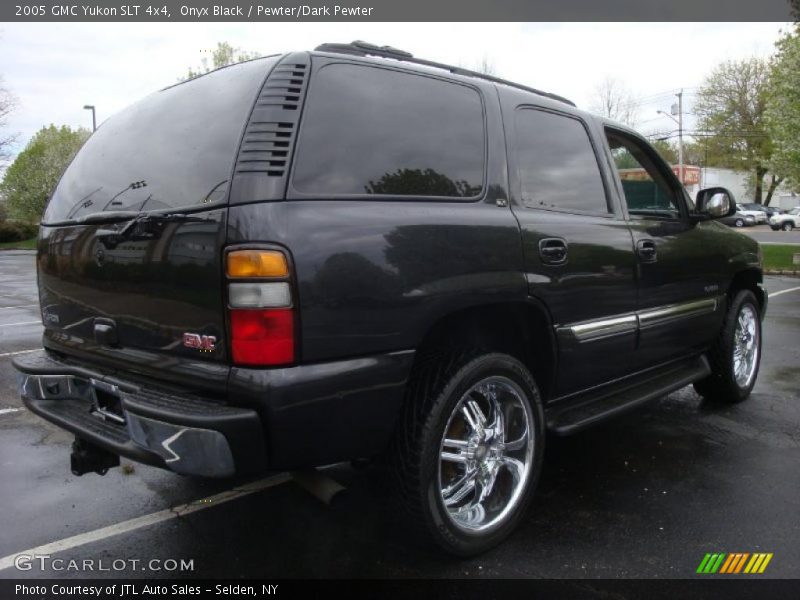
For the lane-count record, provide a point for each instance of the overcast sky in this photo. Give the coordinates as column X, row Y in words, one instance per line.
column 54, row 69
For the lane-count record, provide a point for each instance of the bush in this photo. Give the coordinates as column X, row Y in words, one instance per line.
column 17, row 231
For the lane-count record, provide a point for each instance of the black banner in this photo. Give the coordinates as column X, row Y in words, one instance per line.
column 394, row 10
column 460, row 589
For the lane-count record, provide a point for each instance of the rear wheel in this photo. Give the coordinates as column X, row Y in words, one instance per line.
column 736, row 355
column 469, row 450
column 787, row 226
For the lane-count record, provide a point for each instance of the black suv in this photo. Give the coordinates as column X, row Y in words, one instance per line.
column 351, row 253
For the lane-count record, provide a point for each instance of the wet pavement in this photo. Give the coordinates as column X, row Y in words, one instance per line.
column 647, row 495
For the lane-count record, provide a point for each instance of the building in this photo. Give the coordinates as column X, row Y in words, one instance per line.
column 696, row 178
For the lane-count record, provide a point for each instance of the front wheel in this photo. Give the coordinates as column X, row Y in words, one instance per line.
column 470, row 449
column 739, row 223
column 787, row 226
column 736, row 355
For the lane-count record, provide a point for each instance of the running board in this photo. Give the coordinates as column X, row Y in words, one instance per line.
column 625, row 396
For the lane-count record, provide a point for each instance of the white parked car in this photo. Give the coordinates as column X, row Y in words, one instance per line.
column 786, row 221
column 751, row 209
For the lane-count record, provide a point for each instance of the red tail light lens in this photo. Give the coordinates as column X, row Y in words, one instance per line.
column 262, row 337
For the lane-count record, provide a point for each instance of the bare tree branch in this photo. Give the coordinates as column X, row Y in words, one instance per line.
column 8, row 102
column 612, row 99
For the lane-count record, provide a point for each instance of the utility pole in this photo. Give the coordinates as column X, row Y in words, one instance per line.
column 679, row 107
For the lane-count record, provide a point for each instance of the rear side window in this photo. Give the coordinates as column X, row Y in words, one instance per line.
column 173, row 149
column 370, row 130
column 556, row 163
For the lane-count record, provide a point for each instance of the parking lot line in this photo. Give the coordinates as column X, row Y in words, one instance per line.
column 5, row 411
column 21, row 323
column 147, row 520
column 794, row 289
column 19, row 352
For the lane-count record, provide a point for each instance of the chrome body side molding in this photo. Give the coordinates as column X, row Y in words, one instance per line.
column 684, row 310
column 587, row 331
column 593, row 330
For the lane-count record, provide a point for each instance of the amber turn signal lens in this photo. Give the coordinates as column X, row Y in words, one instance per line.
column 257, row 263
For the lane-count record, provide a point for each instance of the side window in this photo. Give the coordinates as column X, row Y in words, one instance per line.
column 648, row 191
column 369, row 130
column 556, row 163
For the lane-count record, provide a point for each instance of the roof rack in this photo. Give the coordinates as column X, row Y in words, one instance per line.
column 359, row 48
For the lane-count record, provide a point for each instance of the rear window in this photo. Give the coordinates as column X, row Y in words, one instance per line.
column 369, row 130
column 173, row 149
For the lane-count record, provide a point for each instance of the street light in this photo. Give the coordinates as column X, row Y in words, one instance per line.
column 94, row 121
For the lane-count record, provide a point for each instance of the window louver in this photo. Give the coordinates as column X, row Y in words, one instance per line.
column 270, row 133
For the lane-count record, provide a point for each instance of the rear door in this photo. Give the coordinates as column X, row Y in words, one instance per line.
column 578, row 252
column 131, row 243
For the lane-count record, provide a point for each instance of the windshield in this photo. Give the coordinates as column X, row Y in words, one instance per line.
column 172, row 150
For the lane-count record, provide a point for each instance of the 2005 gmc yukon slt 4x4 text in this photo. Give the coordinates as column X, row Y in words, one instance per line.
column 350, row 253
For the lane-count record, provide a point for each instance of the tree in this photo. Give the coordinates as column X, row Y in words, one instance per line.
column 613, row 100
column 223, row 55
column 31, row 178
column 486, row 66
column 783, row 107
column 8, row 103
column 667, row 150
column 730, row 111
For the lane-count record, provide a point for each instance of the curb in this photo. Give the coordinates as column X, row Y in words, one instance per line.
column 785, row 273
column 16, row 251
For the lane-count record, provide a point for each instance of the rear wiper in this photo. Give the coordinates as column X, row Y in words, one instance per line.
column 113, row 216
column 110, row 216
column 114, row 236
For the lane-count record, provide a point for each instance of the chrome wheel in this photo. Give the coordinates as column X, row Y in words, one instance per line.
column 745, row 345
column 486, row 455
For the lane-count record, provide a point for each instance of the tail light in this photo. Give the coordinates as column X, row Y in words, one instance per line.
column 261, row 308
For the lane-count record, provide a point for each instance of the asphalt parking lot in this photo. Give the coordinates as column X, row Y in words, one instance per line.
column 764, row 235
column 647, row 495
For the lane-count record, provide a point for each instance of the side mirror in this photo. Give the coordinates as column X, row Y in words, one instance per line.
column 715, row 202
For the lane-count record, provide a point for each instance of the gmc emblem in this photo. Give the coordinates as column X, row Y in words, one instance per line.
column 204, row 343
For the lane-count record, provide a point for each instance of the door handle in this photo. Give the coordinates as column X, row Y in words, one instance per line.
column 646, row 249
column 553, row 251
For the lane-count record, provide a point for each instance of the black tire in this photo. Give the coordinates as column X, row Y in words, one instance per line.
column 722, row 385
column 739, row 223
column 787, row 226
column 434, row 392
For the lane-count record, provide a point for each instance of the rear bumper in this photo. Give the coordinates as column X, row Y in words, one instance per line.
column 300, row 416
column 180, row 433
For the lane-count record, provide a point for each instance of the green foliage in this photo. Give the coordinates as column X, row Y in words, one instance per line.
column 783, row 107
column 694, row 153
column 730, row 109
column 29, row 181
column 669, row 151
column 15, row 231
column 223, row 55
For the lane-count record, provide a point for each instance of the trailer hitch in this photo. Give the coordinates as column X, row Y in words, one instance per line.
column 89, row 458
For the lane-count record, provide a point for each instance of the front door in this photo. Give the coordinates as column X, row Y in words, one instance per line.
column 680, row 265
